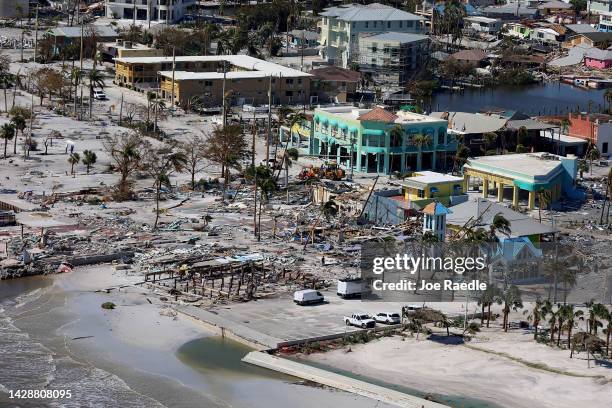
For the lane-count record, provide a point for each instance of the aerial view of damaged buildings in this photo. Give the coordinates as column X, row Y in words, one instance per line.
column 214, row 153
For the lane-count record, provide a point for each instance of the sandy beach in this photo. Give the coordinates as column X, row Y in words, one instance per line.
column 459, row 370
column 139, row 354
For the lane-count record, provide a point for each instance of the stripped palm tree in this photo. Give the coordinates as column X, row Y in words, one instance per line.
column 96, row 79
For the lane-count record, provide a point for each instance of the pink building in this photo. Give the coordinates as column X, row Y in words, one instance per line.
column 598, row 59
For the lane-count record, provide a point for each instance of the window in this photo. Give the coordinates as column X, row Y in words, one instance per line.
column 208, row 83
column 289, row 93
column 367, row 24
column 388, row 24
column 604, row 147
column 375, row 24
column 289, row 81
column 401, row 24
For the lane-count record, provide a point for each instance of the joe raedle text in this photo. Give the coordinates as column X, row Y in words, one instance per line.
column 403, row 263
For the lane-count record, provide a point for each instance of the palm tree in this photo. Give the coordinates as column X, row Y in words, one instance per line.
column 592, row 154
column 488, row 139
column 19, row 123
column 565, row 124
column 329, row 209
column 7, row 131
column 489, row 296
column 511, row 298
column 158, row 106
column 548, row 309
column 499, row 224
column 608, row 330
column 537, row 314
column 289, row 156
column 6, row 81
column 608, row 97
column 73, row 159
column 582, row 167
column 570, row 315
column 396, row 135
column 96, row 79
column 89, row 159
column 596, row 311
column 544, row 199
column 420, row 141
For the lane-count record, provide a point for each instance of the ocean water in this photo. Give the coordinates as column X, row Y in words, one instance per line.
column 27, row 364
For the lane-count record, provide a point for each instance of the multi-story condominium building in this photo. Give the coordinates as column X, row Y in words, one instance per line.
column 379, row 141
column 161, row 11
column 599, row 6
column 605, row 22
column 247, row 78
column 340, row 28
column 391, row 58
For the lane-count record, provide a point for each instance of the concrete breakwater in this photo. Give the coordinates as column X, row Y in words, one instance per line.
column 341, row 382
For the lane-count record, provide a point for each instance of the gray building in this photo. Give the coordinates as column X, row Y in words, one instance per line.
column 391, row 58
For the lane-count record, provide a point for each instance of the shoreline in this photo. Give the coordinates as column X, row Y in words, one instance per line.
column 130, row 355
column 459, row 370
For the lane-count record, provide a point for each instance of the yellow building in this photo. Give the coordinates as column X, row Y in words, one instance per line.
column 425, row 186
column 247, row 79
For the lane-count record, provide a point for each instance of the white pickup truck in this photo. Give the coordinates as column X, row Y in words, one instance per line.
column 362, row 320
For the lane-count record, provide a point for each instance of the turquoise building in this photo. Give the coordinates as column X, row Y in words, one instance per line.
column 379, row 141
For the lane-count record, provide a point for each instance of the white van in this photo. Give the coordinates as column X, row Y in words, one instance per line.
column 350, row 288
column 307, row 297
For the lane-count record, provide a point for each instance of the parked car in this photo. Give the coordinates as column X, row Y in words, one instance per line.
column 99, row 95
column 362, row 320
column 308, row 297
column 411, row 309
column 388, row 318
column 350, row 288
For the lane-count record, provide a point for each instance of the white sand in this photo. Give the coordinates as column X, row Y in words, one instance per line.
column 457, row 370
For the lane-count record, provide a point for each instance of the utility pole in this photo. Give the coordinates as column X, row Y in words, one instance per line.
column 254, row 134
column 134, row 13
column 255, row 205
column 121, row 109
column 269, row 123
column 351, row 159
column 302, row 52
column 81, row 70
column 223, row 107
column 36, row 35
column 149, row 12
column 173, row 71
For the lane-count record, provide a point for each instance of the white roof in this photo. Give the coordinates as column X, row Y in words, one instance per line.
column 530, row 164
column 257, row 67
column 482, row 19
column 431, row 177
column 370, row 12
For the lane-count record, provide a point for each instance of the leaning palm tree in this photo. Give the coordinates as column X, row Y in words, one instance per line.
column 499, row 224
column 96, row 79
column 73, row 159
column 158, row 105
column 591, row 155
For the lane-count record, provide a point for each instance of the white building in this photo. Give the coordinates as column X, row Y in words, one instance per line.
column 434, row 220
column 484, row 24
column 160, row 11
column 340, row 28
